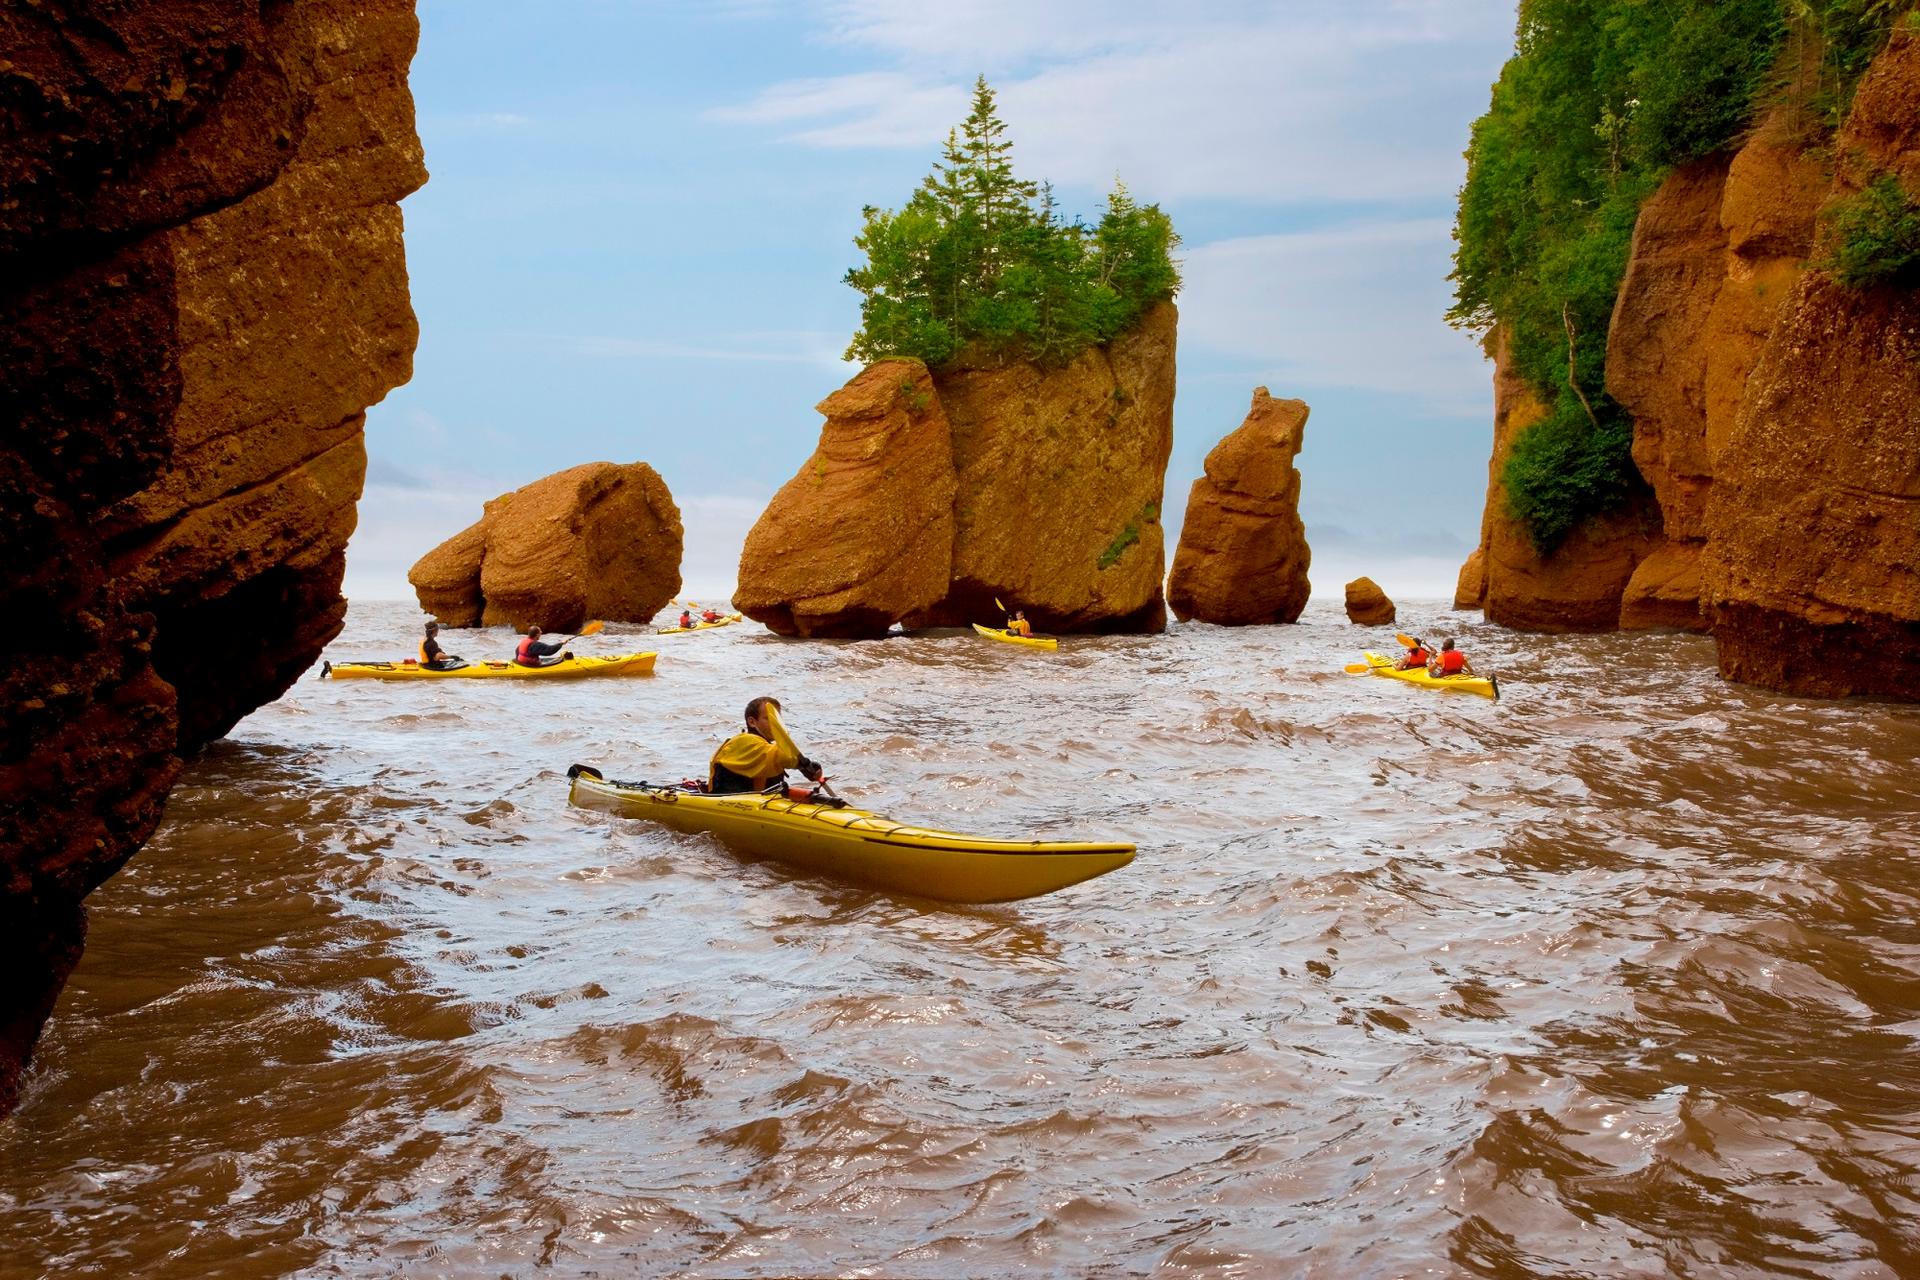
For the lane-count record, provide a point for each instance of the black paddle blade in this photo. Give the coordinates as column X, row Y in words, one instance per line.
column 584, row 770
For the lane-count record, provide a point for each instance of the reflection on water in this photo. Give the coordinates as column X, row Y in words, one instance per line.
column 1619, row 976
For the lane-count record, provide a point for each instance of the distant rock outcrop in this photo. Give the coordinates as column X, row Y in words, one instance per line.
column 202, row 289
column 863, row 535
column 1055, row 509
column 1367, row 604
column 1243, row 551
column 600, row 540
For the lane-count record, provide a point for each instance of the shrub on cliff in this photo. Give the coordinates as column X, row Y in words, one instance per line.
column 980, row 255
column 1599, row 101
column 1876, row 236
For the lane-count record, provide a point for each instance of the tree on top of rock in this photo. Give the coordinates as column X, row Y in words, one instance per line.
column 978, row 254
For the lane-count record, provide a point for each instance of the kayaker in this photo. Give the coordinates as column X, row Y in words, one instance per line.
column 686, row 619
column 533, row 652
column 432, row 656
column 758, row 759
column 1018, row 625
column 710, row 615
column 1449, row 662
column 1418, row 655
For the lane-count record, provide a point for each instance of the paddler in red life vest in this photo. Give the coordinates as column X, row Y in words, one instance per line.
column 533, row 653
column 432, row 656
column 1417, row 656
column 686, row 619
column 1018, row 625
column 757, row 760
column 710, row 615
column 1449, row 662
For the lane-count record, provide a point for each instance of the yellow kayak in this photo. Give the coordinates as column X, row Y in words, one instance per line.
column 1032, row 642
column 626, row 664
column 727, row 621
column 1485, row 686
column 855, row 845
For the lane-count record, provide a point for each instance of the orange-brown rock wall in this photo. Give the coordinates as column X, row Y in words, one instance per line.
column 863, row 536
column 202, row 288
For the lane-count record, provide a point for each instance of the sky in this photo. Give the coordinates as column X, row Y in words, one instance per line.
column 632, row 242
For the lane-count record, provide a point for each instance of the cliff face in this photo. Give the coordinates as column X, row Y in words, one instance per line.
column 1056, row 480
column 1811, row 573
column 1243, row 552
column 1774, row 419
column 600, row 540
column 1578, row 587
column 204, row 289
column 863, row 535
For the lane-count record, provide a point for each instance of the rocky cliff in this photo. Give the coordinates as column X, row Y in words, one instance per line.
column 1776, row 416
column 202, row 289
column 1243, row 552
column 600, row 540
column 1057, row 476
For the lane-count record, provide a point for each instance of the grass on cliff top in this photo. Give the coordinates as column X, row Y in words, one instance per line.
column 980, row 256
column 1601, row 99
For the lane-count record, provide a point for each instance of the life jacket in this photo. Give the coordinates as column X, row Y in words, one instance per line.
column 1418, row 657
column 1452, row 661
column 524, row 655
column 426, row 656
column 1019, row 627
column 711, row 616
column 686, row 619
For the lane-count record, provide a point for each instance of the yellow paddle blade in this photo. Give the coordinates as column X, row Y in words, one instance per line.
column 593, row 628
column 1408, row 641
column 996, row 604
column 1359, row 668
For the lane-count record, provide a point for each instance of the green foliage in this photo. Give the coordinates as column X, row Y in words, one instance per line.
column 1876, row 236
column 1600, row 100
column 1128, row 536
column 978, row 255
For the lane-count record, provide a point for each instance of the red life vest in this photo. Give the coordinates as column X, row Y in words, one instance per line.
column 1418, row 657
column 1452, row 662
column 523, row 657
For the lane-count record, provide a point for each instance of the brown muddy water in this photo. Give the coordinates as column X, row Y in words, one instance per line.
column 1617, row 977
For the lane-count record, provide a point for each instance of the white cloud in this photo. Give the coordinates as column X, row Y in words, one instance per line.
column 1307, row 102
column 1358, row 306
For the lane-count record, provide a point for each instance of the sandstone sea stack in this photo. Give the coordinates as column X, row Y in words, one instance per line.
column 1368, row 605
column 204, row 289
column 600, row 540
column 1243, row 555
column 1057, row 475
column 863, row 535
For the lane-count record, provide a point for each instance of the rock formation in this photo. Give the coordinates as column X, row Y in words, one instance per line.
column 1057, row 480
column 1243, row 552
column 1811, row 571
column 863, row 535
column 202, row 288
column 1578, row 587
column 1367, row 604
column 598, row 540
column 1776, row 417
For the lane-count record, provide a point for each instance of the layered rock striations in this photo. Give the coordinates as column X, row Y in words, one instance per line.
column 1243, row 554
column 1811, row 570
column 863, row 535
column 1057, row 477
column 600, row 540
column 203, row 290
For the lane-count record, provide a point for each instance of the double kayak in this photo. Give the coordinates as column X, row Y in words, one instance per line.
column 626, row 664
column 855, row 845
column 1007, row 637
column 727, row 621
column 1485, row 686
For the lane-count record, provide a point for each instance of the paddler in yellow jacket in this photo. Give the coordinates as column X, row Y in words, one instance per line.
column 758, row 759
column 1018, row 625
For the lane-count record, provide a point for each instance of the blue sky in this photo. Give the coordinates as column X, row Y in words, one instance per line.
column 632, row 241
